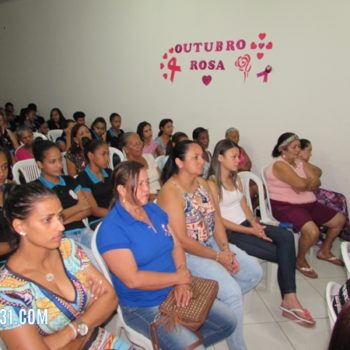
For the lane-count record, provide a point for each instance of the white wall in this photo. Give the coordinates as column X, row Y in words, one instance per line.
column 104, row 56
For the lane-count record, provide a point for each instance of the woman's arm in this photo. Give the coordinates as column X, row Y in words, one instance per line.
column 314, row 172
column 27, row 337
column 284, row 173
column 77, row 212
column 13, row 139
column 121, row 263
column 95, row 209
column 72, row 170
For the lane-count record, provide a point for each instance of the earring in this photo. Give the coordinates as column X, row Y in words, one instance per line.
column 22, row 233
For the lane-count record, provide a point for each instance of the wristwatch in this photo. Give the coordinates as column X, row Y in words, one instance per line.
column 82, row 328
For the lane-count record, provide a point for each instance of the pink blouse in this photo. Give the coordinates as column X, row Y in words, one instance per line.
column 283, row 192
column 22, row 154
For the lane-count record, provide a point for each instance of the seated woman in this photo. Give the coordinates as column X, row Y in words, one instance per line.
column 76, row 161
column 144, row 130
column 95, row 180
column 198, row 226
column 52, row 296
column 328, row 198
column 74, row 203
column 291, row 184
column 99, row 129
column 164, row 135
column 132, row 147
column 25, row 135
column 244, row 230
column 146, row 262
column 7, row 137
column 5, row 243
column 57, row 120
column 201, row 136
column 340, row 339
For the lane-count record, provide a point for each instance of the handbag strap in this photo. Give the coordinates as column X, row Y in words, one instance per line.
column 153, row 327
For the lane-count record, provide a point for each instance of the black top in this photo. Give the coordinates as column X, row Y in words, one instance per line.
column 66, row 191
column 101, row 191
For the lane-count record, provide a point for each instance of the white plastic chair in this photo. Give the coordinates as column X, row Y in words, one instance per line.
column 160, row 161
column 266, row 216
column 28, row 168
column 64, row 163
column 39, row 134
column 137, row 338
column 112, row 151
column 332, row 290
column 345, row 252
column 53, row 135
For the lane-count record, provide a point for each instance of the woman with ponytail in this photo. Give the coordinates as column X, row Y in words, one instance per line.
column 95, row 180
column 197, row 224
column 51, row 294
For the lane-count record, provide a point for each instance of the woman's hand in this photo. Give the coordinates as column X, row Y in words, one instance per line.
column 183, row 275
column 183, row 294
column 96, row 289
column 228, row 260
column 258, row 230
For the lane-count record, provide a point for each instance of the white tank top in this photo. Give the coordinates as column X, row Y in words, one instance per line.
column 230, row 206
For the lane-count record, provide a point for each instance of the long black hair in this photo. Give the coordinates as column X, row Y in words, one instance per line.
column 19, row 201
column 179, row 151
column 40, row 147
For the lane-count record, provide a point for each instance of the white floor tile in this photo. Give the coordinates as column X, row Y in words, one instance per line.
column 266, row 336
column 307, row 338
column 319, row 284
column 255, row 311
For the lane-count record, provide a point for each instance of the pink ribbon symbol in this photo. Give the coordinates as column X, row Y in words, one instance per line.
column 173, row 68
column 265, row 73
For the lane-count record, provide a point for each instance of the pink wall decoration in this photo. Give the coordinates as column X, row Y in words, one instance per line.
column 246, row 54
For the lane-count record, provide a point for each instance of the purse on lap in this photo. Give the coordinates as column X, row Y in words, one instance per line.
column 204, row 292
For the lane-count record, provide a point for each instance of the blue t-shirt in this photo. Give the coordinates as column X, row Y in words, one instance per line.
column 152, row 250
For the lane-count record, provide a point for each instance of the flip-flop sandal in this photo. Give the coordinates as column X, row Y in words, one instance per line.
column 332, row 259
column 307, row 271
column 300, row 316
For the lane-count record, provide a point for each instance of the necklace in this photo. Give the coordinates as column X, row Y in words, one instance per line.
column 50, row 277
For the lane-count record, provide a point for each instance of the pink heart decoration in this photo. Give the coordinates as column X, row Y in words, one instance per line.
column 253, row 45
column 260, row 55
column 261, row 45
column 206, row 79
column 165, row 76
column 165, row 56
column 161, row 66
column 262, row 36
column 269, row 45
column 171, row 50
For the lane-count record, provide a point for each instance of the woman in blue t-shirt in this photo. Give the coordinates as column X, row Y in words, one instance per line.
column 146, row 262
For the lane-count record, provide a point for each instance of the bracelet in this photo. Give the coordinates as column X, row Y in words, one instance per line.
column 73, row 329
column 217, row 256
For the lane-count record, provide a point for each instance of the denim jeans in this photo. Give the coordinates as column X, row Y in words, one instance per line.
column 231, row 287
column 281, row 250
column 220, row 324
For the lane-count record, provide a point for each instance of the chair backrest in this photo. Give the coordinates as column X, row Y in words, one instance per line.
column 112, row 152
column 345, row 252
column 160, row 161
column 332, row 290
column 262, row 174
column 64, row 163
column 28, row 168
column 246, row 177
column 39, row 134
column 53, row 135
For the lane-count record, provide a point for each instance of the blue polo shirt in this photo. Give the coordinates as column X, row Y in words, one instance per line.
column 152, row 251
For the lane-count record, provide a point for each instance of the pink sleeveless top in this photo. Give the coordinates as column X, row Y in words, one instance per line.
column 281, row 191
